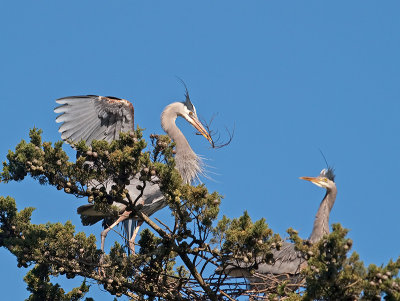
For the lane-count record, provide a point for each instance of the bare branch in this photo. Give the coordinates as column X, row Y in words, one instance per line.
column 215, row 135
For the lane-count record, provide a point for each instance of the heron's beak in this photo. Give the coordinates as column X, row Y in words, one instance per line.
column 313, row 180
column 198, row 126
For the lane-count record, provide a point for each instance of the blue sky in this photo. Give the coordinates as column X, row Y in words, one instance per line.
column 294, row 77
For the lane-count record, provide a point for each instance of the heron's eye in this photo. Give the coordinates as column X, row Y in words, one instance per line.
column 191, row 114
column 325, row 179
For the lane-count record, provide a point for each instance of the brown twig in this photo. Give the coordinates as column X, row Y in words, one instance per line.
column 210, row 293
column 215, row 136
column 163, row 224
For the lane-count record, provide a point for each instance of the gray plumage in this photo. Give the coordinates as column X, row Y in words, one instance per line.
column 287, row 261
column 321, row 222
column 151, row 201
column 94, row 117
column 187, row 162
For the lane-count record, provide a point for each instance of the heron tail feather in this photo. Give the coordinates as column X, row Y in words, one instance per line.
column 128, row 226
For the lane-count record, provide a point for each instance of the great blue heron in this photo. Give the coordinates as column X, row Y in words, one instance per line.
column 94, row 117
column 287, row 261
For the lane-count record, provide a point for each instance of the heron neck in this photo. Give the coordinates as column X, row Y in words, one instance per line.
column 168, row 118
column 321, row 223
column 187, row 162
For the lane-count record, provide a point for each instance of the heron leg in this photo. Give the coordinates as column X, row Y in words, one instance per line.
column 104, row 233
column 132, row 239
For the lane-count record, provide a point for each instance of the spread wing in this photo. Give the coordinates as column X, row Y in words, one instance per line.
column 93, row 117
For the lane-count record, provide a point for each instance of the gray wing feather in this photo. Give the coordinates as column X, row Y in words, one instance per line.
column 72, row 126
column 84, row 131
column 93, row 117
column 286, row 260
column 79, row 132
column 151, row 201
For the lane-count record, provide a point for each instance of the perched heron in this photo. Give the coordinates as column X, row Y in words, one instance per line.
column 94, row 117
column 287, row 261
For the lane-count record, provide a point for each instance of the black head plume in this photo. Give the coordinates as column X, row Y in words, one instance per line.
column 188, row 102
column 323, row 156
column 328, row 173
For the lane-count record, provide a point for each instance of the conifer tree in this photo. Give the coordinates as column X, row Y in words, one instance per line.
column 177, row 259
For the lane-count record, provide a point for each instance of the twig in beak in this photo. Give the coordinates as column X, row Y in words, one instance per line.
column 215, row 136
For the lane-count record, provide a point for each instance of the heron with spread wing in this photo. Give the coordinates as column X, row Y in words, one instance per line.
column 94, row 117
column 287, row 261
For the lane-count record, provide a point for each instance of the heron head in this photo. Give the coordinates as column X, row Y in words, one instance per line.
column 326, row 178
column 188, row 111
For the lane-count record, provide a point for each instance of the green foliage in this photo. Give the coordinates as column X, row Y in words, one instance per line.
column 64, row 252
column 176, row 260
column 41, row 289
column 242, row 239
column 53, row 247
column 332, row 274
column 341, row 277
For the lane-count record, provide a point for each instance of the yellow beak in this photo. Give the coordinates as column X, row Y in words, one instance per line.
column 311, row 179
column 198, row 126
column 315, row 180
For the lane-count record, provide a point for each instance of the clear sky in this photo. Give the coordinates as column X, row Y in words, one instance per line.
column 294, row 76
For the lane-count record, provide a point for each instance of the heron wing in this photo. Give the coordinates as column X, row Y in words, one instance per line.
column 150, row 202
column 152, row 199
column 287, row 260
column 93, row 117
